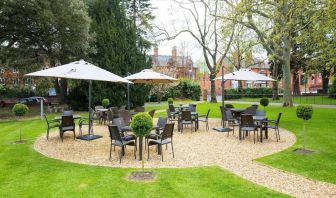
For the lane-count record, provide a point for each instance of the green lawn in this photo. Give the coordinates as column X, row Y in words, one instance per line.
column 26, row 173
column 298, row 100
column 321, row 137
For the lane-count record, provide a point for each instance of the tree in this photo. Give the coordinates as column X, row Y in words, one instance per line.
column 275, row 23
column 203, row 23
column 115, row 48
column 38, row 32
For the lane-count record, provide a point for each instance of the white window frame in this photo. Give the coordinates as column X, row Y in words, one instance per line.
column 2, row 81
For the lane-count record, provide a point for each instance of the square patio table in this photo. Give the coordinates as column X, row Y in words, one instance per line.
column 261, row 120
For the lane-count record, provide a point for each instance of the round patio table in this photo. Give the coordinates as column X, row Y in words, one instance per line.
column 74, row 116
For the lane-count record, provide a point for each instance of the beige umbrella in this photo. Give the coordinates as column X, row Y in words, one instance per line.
column 148, row 76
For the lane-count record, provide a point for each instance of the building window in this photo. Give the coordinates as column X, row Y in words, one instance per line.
column 262, row 71
column 248, row 84
column 16, row 82
column 2, row 70
column 2, row 81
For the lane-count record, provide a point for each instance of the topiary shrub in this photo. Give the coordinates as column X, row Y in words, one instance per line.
column 170, row 100
column 229, row 106
column 142, row 124
column 20, row 109
column 304, row 112
column 264, row 102
column 105, row 102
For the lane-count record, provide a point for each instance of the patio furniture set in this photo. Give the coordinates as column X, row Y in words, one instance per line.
column 249, row 120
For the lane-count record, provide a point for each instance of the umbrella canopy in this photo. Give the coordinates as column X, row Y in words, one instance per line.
column 80, row 70
column 150, row 76
column 245, row 74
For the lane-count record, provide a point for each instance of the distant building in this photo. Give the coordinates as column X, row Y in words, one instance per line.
column 174, row 65
column 13, row 78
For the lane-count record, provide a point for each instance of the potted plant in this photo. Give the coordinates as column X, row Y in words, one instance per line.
column 105, row 102
column 264, row 102
column 170, row 101
column 304, row 112
column 20, row 110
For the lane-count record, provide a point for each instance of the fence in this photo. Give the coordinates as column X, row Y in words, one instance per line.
column 297, row 99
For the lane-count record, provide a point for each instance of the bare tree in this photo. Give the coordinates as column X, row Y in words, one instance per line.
column 202, row 22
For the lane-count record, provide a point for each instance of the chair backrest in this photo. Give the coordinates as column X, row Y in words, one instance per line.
column 168, row 113
column 45, row 117
column 152, row 112
column 110, row 114
column 207, row 115
column 247, row 120
column 171, row 108
column 139, row 109
column 68, row 113
column 91, row 113
column 114, row 133
column 260, row 112
column 251, row 110
column 192, row 108
column 125, row 115
column 222, row 109
column 67, row 121
column 122, row 107
column 223, row 113
column 229, row 115
column 162, row 121
column 278, row 119
column 98, row 107
column 119, row 122
column 186, row 116
column 256, row 106
column 168, row 131
column 115, row 111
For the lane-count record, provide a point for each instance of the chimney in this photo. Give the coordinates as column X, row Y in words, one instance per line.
column 174, row 53
column 156, row 52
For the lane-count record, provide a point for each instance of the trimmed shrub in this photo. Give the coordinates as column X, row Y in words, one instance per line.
column 142, row 124
column 304, row 112
column 170, row 100
column 105, row 102
column 20, row 109
column 264, row 102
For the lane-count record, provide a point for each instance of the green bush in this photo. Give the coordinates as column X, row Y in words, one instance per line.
column 170, row 100
column 142, row 124
column 229, row 106
column 189, row 89
column 105, row 102
column 304, row 112
column 20, row 109
column 264, row 102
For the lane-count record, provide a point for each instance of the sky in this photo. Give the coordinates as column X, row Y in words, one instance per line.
column 168, row 15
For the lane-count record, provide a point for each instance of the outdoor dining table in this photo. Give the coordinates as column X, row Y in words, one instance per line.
column 237, row 111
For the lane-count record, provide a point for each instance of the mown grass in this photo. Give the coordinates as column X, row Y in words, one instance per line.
column 26, row 173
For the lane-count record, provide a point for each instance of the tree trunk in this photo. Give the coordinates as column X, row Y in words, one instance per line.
column 325, row 80
column 140, row 148
column 296, row 85
column 275, row 90
column 287, row 97
column 213, row 88
column 61, row 90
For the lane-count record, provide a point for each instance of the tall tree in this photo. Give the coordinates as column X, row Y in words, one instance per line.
column 33, row 32
column 115, row 49
column 205, row 26
column 275, row 23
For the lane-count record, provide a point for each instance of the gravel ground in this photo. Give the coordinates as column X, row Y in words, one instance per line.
column 200, row 148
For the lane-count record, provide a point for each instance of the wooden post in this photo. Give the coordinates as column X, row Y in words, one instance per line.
column 41, row 109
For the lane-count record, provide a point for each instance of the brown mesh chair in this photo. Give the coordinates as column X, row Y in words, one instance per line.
column 171, row 117
column 275, row 126
column 151, row 113
column 117, row 140
column 223, row 115
column 51, row 124
column 161, row 123
column 247, row 125
column 67, row 124
column 186, row 119
column 166, row 137
column 205, row 119
column 251, row 110
column 115, row 111
column 87, row 121
column 232, row 122
column 126, row 116
column 139, row 109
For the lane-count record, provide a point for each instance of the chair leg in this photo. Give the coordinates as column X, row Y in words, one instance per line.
column 134, row 151
column 254, row 137
column 278, row 133
column 111, row 152
column 74, row 134
column 172, row 148
column 161, row 154
column 120, row 155
column 48, row 133
column 61, row 134
column 148, row 153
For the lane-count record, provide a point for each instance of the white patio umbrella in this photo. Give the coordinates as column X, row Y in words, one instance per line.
column 84, row 71
column 245, row 75
column 241, row 75
column 148, row 76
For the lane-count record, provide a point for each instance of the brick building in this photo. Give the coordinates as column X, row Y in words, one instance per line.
column 174, row 65
column 13, row 78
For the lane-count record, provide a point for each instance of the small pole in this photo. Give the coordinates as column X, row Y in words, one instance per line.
column 41, row 109
column 128, row 97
